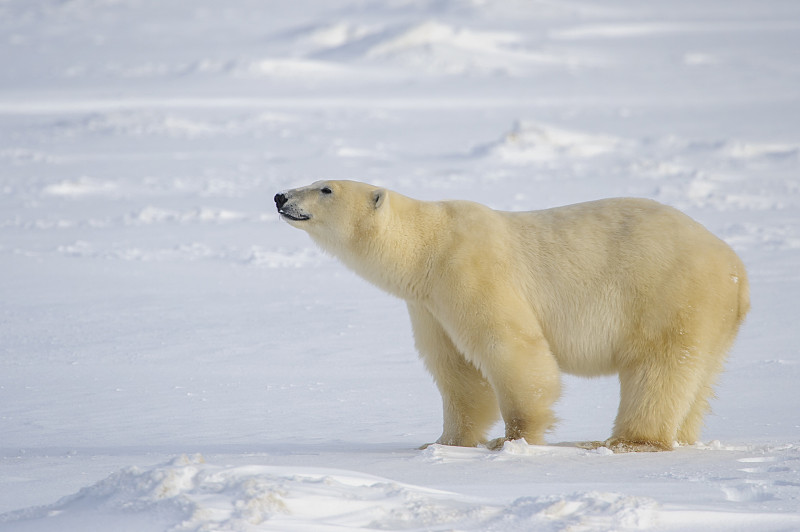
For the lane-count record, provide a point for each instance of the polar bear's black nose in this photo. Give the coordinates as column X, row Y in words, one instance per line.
column 280, row 200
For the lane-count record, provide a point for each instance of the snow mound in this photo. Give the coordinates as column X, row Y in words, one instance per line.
column 754, row 150
column 580, row 511
column 255, row 256
column 150, row 123
column 154, row 215
column 436, row 48
column 335, row 35
column 19, row 156
column 284, row 258
column 529, row 142
column 623, row 30
column 187, row 494
column 81, row 187
column 137, row 124
column 432, row 34
column 302, row 69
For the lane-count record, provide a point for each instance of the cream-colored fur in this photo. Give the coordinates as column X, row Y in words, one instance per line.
column 501, row 302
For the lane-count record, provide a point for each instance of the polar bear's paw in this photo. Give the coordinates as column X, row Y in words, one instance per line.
column 619, row 446
column 590, row 445
column 496, row 444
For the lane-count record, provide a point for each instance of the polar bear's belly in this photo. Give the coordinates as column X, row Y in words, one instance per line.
column 586, row 362
column 586, row 342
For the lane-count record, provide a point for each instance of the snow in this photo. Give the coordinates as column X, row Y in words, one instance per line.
column 174, row 357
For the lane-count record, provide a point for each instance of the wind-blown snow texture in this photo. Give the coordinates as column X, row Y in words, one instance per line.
column 173, row 357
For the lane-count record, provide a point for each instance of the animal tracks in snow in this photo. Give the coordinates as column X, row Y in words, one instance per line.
column 772, row 476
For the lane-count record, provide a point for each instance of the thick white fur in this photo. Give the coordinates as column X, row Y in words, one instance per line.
column 501, row 302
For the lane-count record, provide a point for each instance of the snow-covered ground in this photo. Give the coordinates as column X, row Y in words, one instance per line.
column 173, row 357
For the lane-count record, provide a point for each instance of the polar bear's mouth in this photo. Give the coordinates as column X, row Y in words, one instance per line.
column 295, row 217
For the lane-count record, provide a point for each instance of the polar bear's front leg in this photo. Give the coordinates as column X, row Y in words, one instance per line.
column 468, row 401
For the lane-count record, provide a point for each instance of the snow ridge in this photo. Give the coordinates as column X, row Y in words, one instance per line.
column 187, row 494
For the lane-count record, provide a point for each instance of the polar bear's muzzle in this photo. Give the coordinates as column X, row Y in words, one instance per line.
column 289, row 210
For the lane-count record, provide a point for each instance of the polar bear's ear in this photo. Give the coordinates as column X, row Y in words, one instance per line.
column 378, row 196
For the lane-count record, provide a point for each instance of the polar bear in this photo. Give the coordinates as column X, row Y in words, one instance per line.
column 502, row 302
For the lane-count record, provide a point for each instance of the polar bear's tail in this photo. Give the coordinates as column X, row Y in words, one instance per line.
column 744, row 295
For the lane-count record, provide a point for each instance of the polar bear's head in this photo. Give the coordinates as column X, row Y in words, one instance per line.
column 336, row 214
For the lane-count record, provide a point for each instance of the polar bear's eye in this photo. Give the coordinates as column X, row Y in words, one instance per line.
column 326, row 190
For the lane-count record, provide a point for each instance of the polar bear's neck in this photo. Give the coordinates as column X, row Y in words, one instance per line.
column 397, row 252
